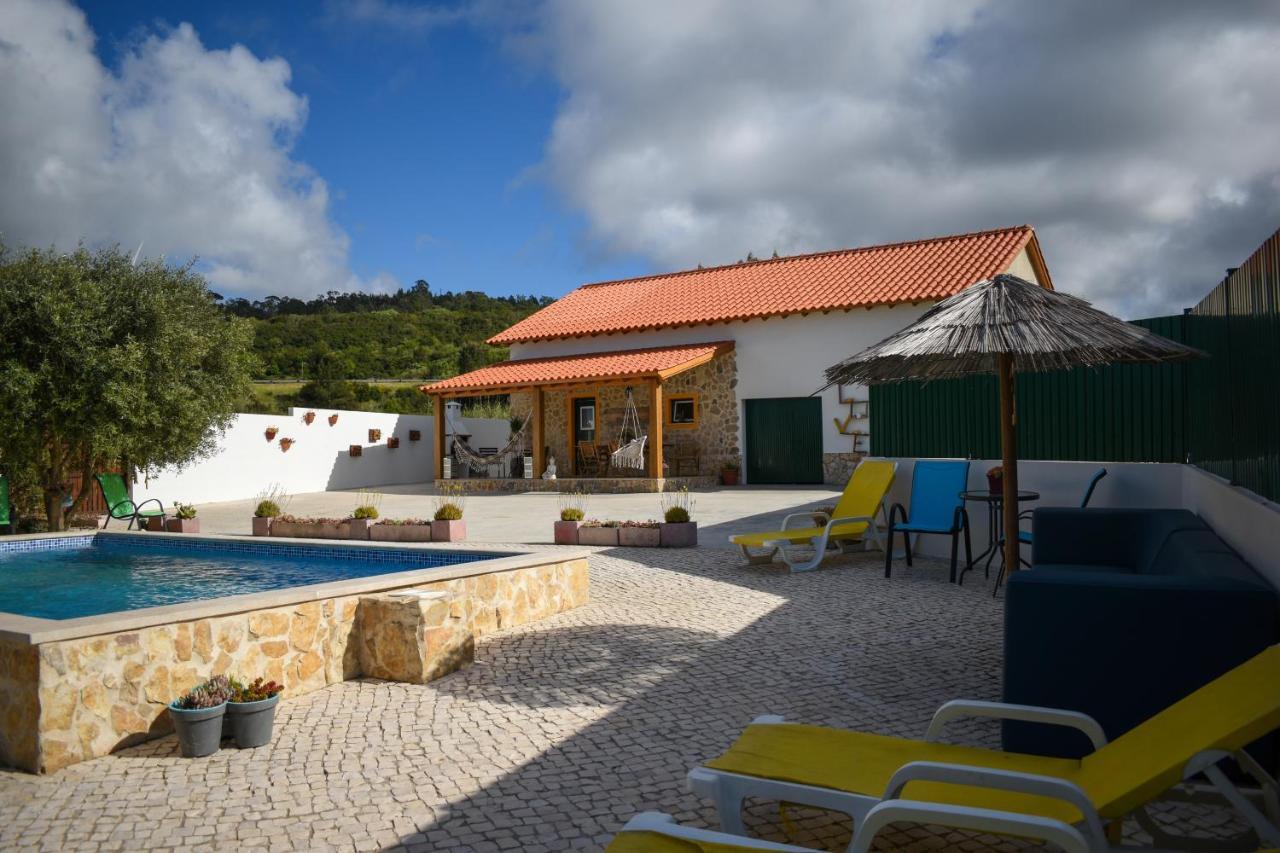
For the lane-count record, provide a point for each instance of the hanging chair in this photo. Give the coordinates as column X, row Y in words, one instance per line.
column 630, row 452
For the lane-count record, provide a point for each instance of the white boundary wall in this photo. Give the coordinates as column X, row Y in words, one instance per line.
column 1248, row 523
column 246, row 464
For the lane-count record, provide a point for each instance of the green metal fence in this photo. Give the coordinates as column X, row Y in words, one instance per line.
column 1123, row 413
column 1221, row 413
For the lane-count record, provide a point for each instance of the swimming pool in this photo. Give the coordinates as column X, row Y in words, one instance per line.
column 90, row 575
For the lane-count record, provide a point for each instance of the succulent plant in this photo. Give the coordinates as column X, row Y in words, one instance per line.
column 255, row 691
column 210, row 694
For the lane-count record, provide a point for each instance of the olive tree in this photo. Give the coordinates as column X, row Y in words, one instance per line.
column 105, row 363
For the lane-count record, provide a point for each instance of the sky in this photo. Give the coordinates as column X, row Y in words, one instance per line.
column 530, row 146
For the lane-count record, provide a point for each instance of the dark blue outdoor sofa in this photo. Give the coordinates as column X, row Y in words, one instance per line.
column 1124, row 612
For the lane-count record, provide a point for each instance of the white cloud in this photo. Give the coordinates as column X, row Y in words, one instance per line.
column 185, row 149
column 1139, row 138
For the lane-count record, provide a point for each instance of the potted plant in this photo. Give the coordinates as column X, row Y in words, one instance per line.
column 364, row 515
column 375, row 435
column 595, row 532
column 679, row 530
column 311, row 528
column 270, row 432
column 308, row 418
column 729, row 471
column 448, row 525
column 333, row 419
column 573, row 508
column 285, row 444
column 355, row 450
column 393, row 441
column 271, row 503
column 251, row 711
column 185, row 520
column 401, row 530
column 640, row 534
column 995, row 480
column 197, row 717
column 415, row 435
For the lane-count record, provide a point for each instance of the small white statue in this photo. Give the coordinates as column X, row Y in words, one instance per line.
column 550, row 473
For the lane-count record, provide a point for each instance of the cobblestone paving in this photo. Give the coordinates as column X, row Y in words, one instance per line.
column 561, row 730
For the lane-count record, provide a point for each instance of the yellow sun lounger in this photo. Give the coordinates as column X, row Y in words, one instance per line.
column 852, row 520
column 855, row 772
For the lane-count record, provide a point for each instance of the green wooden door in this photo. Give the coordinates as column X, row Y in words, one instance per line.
column 784, row 440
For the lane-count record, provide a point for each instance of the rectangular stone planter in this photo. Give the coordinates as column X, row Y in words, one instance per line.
column 682, row 535
column 261, row 526
column 400, row 533
column 567, row 532
column 298, row 530
column 360, row 527
column 448, row 531
column 182, row 525
column 155, row 524
column 597, row 536
column 639, row 537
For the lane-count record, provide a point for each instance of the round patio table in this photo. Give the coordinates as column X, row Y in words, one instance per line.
column 995, row 514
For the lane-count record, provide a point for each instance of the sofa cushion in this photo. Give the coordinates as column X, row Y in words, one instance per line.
column 1202, row 554
column 1084, row 569
column 1154, row 530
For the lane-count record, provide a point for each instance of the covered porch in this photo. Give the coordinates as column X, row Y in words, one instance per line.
column 671, row 410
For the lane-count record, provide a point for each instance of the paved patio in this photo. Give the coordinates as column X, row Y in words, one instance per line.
column 561, row 730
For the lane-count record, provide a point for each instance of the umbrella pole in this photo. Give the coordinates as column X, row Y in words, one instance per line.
column 1009, row 460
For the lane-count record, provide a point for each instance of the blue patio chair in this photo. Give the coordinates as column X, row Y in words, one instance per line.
column 936, row 507
column 1025, row 537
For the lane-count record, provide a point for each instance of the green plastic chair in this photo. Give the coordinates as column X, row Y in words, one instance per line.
column 8, row 515
column 120, row 506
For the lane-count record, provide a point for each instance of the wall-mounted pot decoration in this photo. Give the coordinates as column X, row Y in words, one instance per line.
column 285, row 444
column 309, row 417
column 355, row 450
column 333, row 419
column 393, row 442
column 375, row 435
column 270, row 433
column 415, row 435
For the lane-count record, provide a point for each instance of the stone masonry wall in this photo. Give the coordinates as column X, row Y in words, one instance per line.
column 97, row 694
column 837, row 468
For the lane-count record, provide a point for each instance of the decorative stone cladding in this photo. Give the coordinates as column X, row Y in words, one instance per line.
column 66, row 701
column 837, row 468
column 716, row 433
column 413, row 639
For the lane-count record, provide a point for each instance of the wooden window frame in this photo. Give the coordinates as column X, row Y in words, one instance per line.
column 669, row 403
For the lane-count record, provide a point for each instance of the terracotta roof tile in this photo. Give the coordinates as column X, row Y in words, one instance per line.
column 919, row 271
column 655, row 362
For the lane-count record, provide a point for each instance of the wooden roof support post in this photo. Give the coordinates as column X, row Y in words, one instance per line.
column 437, row 402
column 538, row 434
column 1009, row 459
column 655, row 431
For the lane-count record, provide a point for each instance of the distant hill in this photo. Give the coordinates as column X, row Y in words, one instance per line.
column 415, row 334
column 411, row 333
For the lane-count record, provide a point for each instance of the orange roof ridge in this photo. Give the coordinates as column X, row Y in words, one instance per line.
column 808, row 255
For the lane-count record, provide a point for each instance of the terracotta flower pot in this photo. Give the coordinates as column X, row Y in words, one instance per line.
column 448, row 531
column 355, row 450
column 597, row 536
column 640, row 537
column 400, row 533
column 182, row 525
column 333, row 419
column 270, row 433
column 729, row 476
column 261, row 526
column 567, row 532
column 309, row 417
column 681, row 535
column 393, row 442
column 285, row 444
column 995, row 484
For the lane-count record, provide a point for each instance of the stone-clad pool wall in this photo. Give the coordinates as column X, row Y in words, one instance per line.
column 66, row 701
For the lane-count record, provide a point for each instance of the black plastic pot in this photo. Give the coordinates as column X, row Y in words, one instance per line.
column 252, row 722
column 199, row 729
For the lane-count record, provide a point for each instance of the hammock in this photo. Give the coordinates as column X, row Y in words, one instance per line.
column 630, row 454
column 473, row 461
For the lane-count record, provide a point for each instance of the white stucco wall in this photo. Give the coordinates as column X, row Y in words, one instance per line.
column 779, row 356
column 246, row 463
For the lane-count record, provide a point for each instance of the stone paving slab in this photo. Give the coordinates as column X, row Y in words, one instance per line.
column 563, row 730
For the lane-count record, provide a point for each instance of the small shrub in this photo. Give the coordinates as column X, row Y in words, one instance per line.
column 731, row 463
column 573, row 506
column 677, row 506
column 571, row 514
column 184, row 511
column 367, row 504
column 450, row 502
column 253, row 692
column 272, row 502
column 369, row 512
column 211, row 694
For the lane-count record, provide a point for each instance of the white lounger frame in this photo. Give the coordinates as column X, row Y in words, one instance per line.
column 819, row 543
column 1261, row 808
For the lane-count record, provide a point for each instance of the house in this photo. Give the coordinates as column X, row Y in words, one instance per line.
column 723, row 363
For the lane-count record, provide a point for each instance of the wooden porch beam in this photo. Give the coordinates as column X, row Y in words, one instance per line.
column 538, row 434
column 437, row 402
column 655, row 431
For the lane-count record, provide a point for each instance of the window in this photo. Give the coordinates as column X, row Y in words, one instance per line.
column 682, row 411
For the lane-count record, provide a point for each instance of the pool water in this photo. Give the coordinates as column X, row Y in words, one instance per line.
column 86, row 576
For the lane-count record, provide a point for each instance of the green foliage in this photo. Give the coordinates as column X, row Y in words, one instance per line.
column 105, row 363
column 448, row 512
column 572, row 514
column 450, row 500
column 255, row 691
column 573, row 505
column 369, row 512
column 184, row 511
column 677, row 506
column 267, row 509
column 676, row 515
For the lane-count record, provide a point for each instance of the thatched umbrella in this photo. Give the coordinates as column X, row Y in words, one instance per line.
column 1005, row 325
